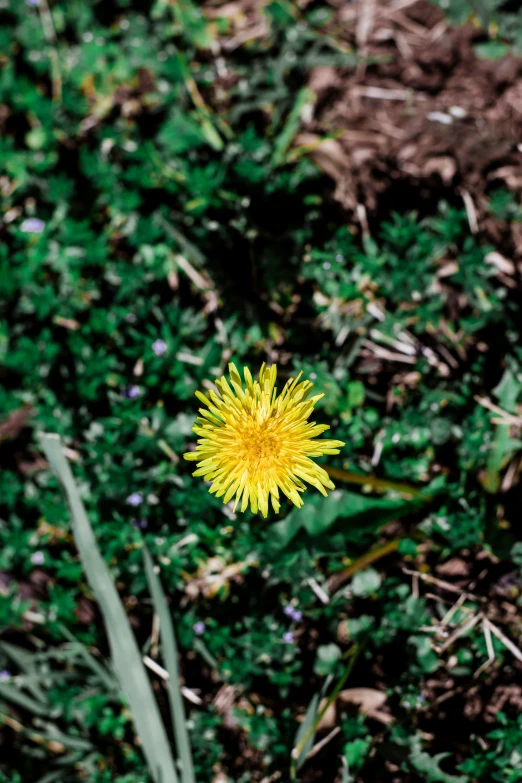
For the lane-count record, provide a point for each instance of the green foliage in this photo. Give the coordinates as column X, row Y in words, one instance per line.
column 502, row 20
column 328, row 655
column 498, row 758
column 355, row 753
column 176, row 223
column 429, row 766
column 125, row 654
column 68, row 693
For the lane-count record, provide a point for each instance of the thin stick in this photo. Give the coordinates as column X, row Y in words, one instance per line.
column 438, row 598
column 163, row 673
column 507, row 417
column 471, row 212
column 439, row 582
column 415, row 585
column 190, row 695
column 467, row 626
column 507, row 481
column 482, row 574
column 384, row 353
column 318, row 590
column 156, row 668
column 449, row 614
column 489, row 641
column 445, row 696
column 201, row 282
column 320, row 745
column 272, row 778
column 490, row 649
column 155, row 635
column 340, row 577
column 383, row 93
column 505, row 641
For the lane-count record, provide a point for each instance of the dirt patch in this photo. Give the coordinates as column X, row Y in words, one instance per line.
column 426, row 118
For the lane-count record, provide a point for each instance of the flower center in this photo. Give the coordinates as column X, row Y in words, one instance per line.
column 261, row 445
column 257, row 445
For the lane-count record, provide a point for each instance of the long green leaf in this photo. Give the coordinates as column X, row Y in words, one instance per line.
column 125, row 653
column 25, row 661
column 205, row 653
column 170, row 657
column 89, row 659
column 52, row 777
column 503, row 446
column 306, row 733
column 304, row 739
column 23, row 658
column 320, row 514
column 314, row 715
column 53, row 734
column 291, row 126
column 16, row 696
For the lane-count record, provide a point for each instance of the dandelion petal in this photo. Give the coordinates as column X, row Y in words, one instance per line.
column 258, row 442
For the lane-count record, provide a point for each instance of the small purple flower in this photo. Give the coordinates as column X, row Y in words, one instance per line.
column 37, row 558
column 140, row 524
column 199, row 628
column 295, row 614
column 33, row 2
column 288, row 637
column 131, row 318
column 132, row 392
column 5, row 675
column 32, row 226
column 135, row 499
column 159, row 347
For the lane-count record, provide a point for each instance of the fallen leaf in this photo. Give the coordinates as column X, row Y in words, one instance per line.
column 328, row 719
column 15, row 422
column 368, row 700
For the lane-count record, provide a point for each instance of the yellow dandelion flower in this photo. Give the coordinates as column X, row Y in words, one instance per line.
column 254, row 443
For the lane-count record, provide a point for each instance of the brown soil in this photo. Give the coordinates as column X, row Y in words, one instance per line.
column 429, row 120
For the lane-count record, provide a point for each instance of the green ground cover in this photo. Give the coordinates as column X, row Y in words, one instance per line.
column 157, row 223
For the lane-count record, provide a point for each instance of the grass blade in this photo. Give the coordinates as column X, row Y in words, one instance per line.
column 53, row 734
column 291, row 126
column 23, row 658
column 16, row 696
column 126, row 656
column 304, row 739
column 314, row 714
column 205, row 653
column 305, row 736
column 100, row 671
column 52, row 777
column 25, row 661
column 170, row 658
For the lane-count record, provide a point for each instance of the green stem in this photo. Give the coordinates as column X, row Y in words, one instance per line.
column 374, row 482
column 296, row 752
